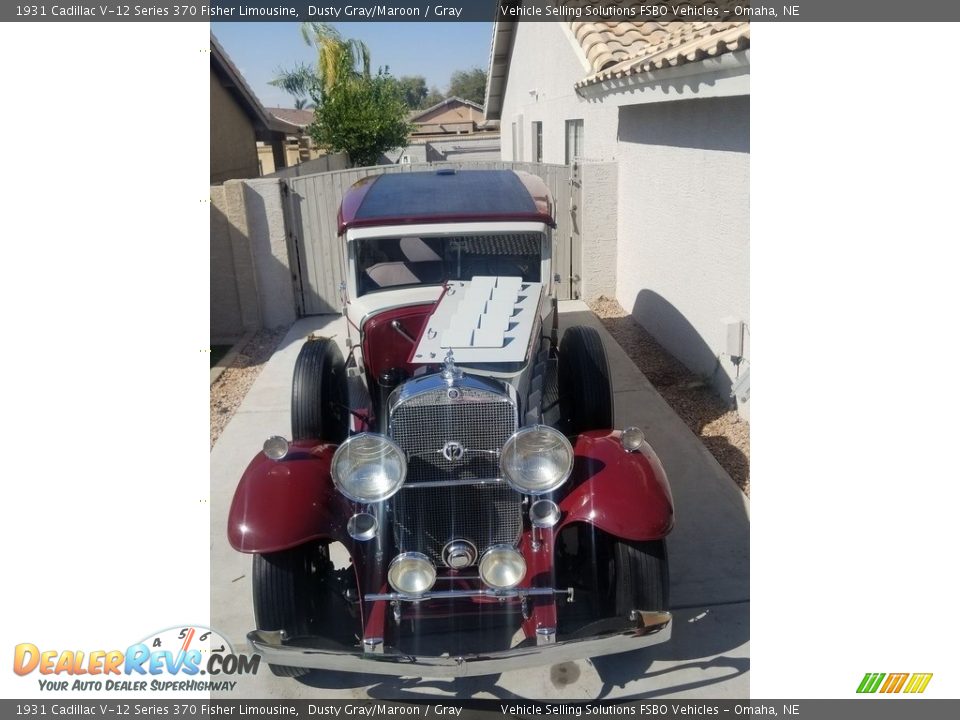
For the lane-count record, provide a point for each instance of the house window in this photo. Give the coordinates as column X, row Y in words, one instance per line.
column 574, row 144
column 537, row 145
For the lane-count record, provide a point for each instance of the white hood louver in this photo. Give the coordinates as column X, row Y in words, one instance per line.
column 485, row 320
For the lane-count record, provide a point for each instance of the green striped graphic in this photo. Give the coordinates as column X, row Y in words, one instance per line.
column 871, row 682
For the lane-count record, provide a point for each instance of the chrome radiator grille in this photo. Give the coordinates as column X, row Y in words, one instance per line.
column 480, row 422
column 427, row 518
column 445, row 498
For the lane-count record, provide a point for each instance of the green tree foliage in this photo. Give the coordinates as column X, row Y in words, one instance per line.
column 337, row 59
column 469, row 84
column 414, row 88
column 433, row 97
column 363, row 116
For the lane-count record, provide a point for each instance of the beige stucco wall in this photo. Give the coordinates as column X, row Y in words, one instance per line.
column 265, row 155
column 683, row 251
column 452, row 113
column 233, row 146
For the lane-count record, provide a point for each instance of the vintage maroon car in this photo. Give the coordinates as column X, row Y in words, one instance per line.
column 463, row 455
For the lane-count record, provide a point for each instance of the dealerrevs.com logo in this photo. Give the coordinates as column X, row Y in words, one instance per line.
column 911, row 683
column 181, row 659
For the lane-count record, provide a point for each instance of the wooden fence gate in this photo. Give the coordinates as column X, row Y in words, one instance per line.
column 317, row 254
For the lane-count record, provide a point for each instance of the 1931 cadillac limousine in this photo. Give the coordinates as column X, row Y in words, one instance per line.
column 463, row 454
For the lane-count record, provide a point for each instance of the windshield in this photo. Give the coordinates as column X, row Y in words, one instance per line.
column 401, row 262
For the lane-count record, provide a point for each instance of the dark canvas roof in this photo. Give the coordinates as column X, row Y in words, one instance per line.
column 445, row 196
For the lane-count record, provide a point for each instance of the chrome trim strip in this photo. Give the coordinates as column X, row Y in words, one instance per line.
column 453, row 594
column 434, row 382
column 466, row 451
column 452, row 483
column 656, row 628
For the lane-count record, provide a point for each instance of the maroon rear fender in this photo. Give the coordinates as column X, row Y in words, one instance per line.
column 624, row 494
column 280, row 504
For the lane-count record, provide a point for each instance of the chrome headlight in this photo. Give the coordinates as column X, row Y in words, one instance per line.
column 368, row 468
column 502, row 567
column 632, row 439
column 536, row 460
column 276, row 447
column 411, row 573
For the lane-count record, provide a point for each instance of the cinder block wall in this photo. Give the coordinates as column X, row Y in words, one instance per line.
column 251, row 285
column 598, row 230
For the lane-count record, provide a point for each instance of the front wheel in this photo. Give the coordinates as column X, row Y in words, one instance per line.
column 611, row 578
column 286, row 586
column 586, row 400
column 639, row 576
column 318, row 404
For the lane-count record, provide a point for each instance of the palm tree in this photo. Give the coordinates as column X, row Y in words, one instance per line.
column 338, row 60
column 303, row 104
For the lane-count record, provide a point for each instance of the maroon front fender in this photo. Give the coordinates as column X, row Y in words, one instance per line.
column 624, row 494
column 282, row 504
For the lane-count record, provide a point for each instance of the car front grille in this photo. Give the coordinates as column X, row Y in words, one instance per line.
column 427, row 518
column 447, row 499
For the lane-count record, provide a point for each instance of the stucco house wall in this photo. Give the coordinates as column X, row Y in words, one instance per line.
column 667, row 155
column 684, row 226
column 451, row 113
column 546, row 63
column 233, row 144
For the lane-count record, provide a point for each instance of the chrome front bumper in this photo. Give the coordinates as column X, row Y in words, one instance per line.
column 655, row 627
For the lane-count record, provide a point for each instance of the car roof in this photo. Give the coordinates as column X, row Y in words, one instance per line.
column 444, row 196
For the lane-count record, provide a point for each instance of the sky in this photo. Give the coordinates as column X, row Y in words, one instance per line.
column 433, row 50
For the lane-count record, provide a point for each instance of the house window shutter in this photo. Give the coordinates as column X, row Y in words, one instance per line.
column 518, row 146
column 574, row 140
column 536, row 148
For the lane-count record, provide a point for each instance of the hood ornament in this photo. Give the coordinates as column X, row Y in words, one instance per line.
column 451, row 373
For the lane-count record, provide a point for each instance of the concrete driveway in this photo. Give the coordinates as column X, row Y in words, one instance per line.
column 708, row 656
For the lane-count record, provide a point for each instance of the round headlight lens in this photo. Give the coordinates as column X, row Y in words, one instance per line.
column 502, row 567
column 632, row 439
column 537, row 460
column 276, row 447
column 411, row 573
column 544, row 513
column 362, row 527
column 369, row 468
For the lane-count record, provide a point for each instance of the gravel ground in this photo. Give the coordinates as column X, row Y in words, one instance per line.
column 228, row 391
column 719, row 427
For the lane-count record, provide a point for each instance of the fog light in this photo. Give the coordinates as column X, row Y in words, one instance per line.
column 544, row 514
column 502, row 567
column 632, row 439
column 362, row 526
column 411, row 573
column 276, row 447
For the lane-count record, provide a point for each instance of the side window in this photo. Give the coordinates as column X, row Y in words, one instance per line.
column 537, row 138
column 574, row 141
